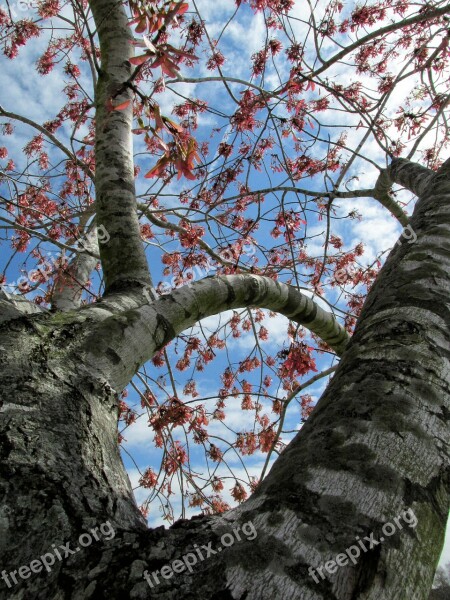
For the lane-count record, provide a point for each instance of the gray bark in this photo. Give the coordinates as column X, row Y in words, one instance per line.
column 123, row 259
column 140, row 327
column 69, row 287
column 375, row 446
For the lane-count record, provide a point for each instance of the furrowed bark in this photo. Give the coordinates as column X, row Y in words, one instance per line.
column 60, row 467
column 123, row 258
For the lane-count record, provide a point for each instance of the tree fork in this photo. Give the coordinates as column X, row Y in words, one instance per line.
column 350, row 470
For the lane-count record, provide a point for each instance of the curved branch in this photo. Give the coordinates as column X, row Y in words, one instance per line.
column 141, row 330
column 410, row 175
column 382, row 193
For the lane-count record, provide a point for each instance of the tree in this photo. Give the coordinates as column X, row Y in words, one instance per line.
column 68, row 352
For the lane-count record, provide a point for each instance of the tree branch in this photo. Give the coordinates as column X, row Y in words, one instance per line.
column 69, row 286
column 408, row 174
column 123, row 258
column 382, row 193
column 13, row 307
column 378, row 33
column 51, row 137
column 141, row 330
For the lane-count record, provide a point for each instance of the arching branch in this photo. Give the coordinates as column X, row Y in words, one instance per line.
column 139, row 331
column 410, row 175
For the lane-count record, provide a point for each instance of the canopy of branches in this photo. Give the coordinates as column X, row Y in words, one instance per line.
column 260, row 128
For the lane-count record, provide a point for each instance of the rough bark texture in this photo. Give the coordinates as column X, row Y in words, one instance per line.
column 61, row 470
column 376, row 445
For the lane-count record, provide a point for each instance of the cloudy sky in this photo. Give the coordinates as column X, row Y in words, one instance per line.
column 25, row 92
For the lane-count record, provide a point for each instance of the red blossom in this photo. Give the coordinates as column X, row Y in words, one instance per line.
column 238, row 492
column 149, row 479
column 34, row 146
column 246, row 443
column 215, row 61
column 298, row 361
column 49, row 8
column 215, row 453
column 175, row 458
column 306, row 406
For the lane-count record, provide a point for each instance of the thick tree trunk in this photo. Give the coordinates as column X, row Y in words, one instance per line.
column 373, row 453
column 61, row 471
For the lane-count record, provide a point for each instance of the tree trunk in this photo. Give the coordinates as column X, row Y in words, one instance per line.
column 60, row 462
column 374, row 451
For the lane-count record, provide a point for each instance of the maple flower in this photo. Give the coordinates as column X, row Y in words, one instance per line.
column 49, row 8
column 306, row 406
column 216, row 484
column 34, row 146
column 298, row 362
column 266, row 439
column 215, row 453
column 246, row 443
column 238, row 492
column 149, row 479
column 175, row 458
column 215, row 61
column 219, row 505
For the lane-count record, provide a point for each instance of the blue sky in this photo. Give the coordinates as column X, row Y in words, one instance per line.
column 39, row 99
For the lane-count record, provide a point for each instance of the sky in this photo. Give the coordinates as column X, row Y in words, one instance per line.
column 25, row 92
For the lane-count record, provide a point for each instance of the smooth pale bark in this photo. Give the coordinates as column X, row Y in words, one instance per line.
column 135, row 331
column 69, row 287
column 123, row 258
column 12, row 306
column 376, row 444
column 382, row 193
